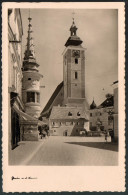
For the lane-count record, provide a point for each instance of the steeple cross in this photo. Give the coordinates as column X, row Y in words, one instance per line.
column 29, row 18
column 73, row 14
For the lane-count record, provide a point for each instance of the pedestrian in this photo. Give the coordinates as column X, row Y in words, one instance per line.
column 48, row 134
column 106, row 136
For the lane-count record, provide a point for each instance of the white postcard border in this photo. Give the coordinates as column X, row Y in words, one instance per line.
column 65, row 178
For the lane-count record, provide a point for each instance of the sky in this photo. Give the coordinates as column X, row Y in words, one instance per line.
column 98, row 29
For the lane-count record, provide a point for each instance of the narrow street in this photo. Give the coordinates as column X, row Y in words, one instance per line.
column 65, row 151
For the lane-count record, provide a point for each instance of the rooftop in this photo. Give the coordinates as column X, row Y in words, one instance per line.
column 107, row 103
column 52, row 98
column 68, row 113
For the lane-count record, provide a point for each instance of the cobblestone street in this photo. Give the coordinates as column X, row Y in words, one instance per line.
column 67, row 151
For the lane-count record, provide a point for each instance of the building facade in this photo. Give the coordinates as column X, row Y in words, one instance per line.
column 15, row 33
column 101, row 117
column 31, row 88
column 68, row 122
column 116, row 132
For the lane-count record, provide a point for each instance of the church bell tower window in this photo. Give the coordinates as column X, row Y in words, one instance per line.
column 76, row 60
column 76, row 75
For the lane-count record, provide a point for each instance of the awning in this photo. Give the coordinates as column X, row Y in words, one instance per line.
column 27, row 118
column 23, row 115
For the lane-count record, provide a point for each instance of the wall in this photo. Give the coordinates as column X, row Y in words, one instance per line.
column 116, row 126
column 102, row 115
column 30, row 132
column 33, row 84
column 72, row 128
column 15, row 51
column 15, row 32
column 116, row 113
column 33, row 109
column 74, row 88
column 116, row 100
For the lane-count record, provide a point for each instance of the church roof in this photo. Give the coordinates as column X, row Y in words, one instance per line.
column 52, row 98
column 68, row 113
column 107, row 103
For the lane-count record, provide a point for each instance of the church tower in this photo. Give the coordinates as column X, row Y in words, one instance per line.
column 31, row 88
column 74, row 69
column 71, row 115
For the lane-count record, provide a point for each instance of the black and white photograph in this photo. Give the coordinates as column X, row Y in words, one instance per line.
column 63, row 83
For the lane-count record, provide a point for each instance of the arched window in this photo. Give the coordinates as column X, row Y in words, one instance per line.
column 78, row 114
column 69, row 114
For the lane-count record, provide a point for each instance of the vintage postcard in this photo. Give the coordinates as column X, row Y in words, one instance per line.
column 63, row 97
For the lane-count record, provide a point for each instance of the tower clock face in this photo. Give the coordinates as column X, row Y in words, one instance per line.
column 76, row 53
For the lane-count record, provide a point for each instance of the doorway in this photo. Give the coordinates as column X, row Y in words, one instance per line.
column 66, row 133
column 15, row 129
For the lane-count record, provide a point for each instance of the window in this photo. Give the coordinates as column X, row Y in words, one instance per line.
column 76, row 75
column 69, row 114
column 78, row 114
column 90, row 114
column 68, row 123
column 82, row 122
column 29, row 78
column 76, row 60
column 77, row 123
column 30, row 96
column 38, row 97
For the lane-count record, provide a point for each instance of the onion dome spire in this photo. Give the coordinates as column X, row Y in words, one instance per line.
column 73, row 39
column 29, row 61
column 73, row 29
column 93, row 105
